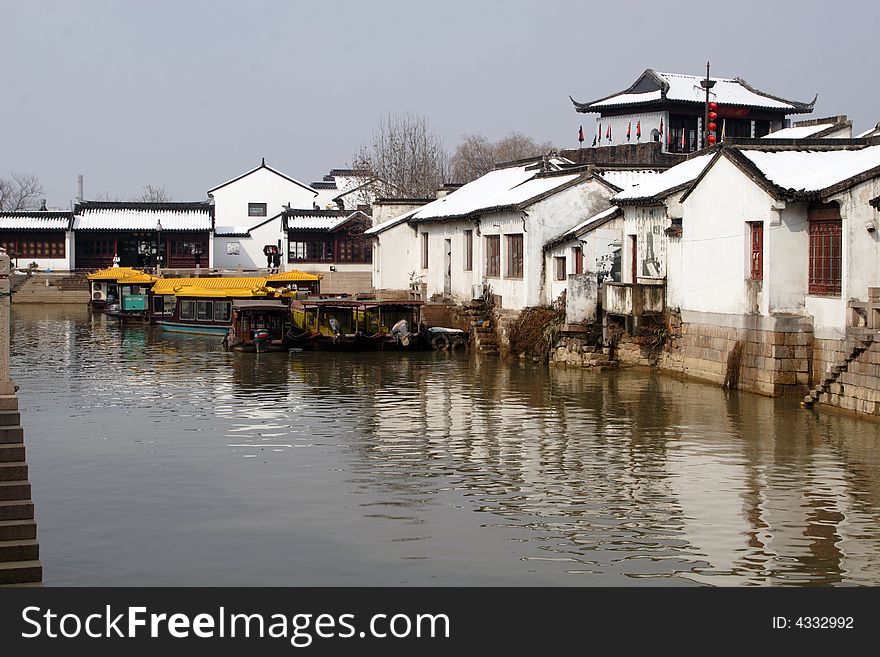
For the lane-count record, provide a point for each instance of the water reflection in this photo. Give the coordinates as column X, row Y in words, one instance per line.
column 423, row 469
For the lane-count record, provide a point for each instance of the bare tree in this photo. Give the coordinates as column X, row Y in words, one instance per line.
column 21, row 191
column 404, row 157
column 475, row 155
column 154, row 194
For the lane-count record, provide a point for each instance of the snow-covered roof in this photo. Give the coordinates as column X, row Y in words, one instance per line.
column 499, row 189
column 323, row 220
column 98, row 215
column 654, row 86
column 626, row 178
column 381, row 228
column 591, row 223
column 812, row 170
column 870, row 132
column 799, row 132
column 664, row 183
column 36, row 220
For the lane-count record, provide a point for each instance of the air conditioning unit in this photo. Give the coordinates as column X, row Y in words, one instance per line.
column 477, row 291
column 99, row 294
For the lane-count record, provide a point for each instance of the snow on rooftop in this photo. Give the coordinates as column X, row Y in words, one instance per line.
column 659, row 185
column 595, row 220
column 30, row 221
column 499, row 188
column 687, row 88
column 315, row 221
column 626, row 178
column 381, row 228
column 799, row 132
column 142, row 219
column 813, row 170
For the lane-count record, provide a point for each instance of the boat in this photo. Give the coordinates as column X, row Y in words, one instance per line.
column 133, row 305
column 204, row 305
column 393, row 324
column 258, row 325
column 104, row 286
column 326, row 324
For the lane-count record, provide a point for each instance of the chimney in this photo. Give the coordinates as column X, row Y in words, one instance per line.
column 79, row 188
column 43, row 205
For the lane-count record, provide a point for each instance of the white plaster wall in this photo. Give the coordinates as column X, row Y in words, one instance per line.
column 395, row 256
column 462, row 281
column 251, row 248
column 786, row 259
column 261, row 186
column 597, row 246
column 650, row 121
column 712, row 268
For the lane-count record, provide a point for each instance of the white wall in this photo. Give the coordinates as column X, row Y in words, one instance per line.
column 434, row 275
column 714, row 261
column 250, row 247
column 260, row 186
column 597, row 247
column 395, row 257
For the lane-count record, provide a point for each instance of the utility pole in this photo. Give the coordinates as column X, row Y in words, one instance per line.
column 707, row 84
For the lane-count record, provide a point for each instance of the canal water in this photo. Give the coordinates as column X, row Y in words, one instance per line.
column 160, row 459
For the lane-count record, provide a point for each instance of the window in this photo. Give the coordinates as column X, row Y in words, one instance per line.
column 187, row 310
column 514, row 256
column 204, row 311
column 756, row 250
column 221, row 311
column 468, row 250
column 493, row 255
column 309, row 250
column 31, row 246
column 560, row 268
column 578, row 253
column 256, row 209
column 424, row 250
column 825, row 249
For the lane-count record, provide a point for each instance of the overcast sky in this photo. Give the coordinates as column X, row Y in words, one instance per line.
column 190, row 94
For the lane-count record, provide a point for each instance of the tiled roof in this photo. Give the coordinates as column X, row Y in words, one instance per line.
column 323, row 220
column 654, row 86
column 36, row 220
column 99, row 215
column 114, row 274
column 661, row 185
column 292, row 275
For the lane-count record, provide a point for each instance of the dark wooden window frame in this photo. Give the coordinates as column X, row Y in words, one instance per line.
column 826, row 256
column 493, row 256
column 468, row 250
column 756, row 250
column 561, row 267
column 257, row 210
column 515, row 261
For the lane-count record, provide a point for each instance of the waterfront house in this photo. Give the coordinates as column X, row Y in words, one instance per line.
column 41, row 237
column 136, row 234
column 488, row 235
column 780, row 240
column 669, row 108
column 392, row 235
column 248, row 215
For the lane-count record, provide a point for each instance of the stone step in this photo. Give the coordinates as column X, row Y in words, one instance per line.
column 9, row 418
column 9, row 402
column 16, row 510
column 13, row 471
column 17, row 530
column 11, row 434
column 807, row 401
column 819, row 388
column 11, row 452
column 25, row 550
column 15, row 490
column 21, row 572
column 814, row 394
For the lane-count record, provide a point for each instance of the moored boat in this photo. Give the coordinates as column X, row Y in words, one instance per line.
column 104, row 286
column 133, row 305
column 258, row 325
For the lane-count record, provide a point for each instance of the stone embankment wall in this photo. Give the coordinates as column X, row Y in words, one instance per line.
column 853, row 368
column 575, row 351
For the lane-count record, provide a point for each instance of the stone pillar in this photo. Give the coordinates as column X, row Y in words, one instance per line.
column 6, row 386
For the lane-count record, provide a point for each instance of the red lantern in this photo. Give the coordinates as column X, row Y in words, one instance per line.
column 711, row 139
column 712, row 116
column 712, row 127
column 713, row 105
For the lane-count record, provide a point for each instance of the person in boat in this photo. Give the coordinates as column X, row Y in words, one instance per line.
column 336, row 327
column 400, row 331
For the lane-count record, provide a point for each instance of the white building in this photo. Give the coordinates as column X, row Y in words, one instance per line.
column 40, row 236
column 489, row 234
column 770, row 231
column 247, row 215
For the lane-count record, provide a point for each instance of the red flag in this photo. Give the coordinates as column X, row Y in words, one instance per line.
column 628, row 127
column 639, row 129
column 661, row 125
column 581, row 134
